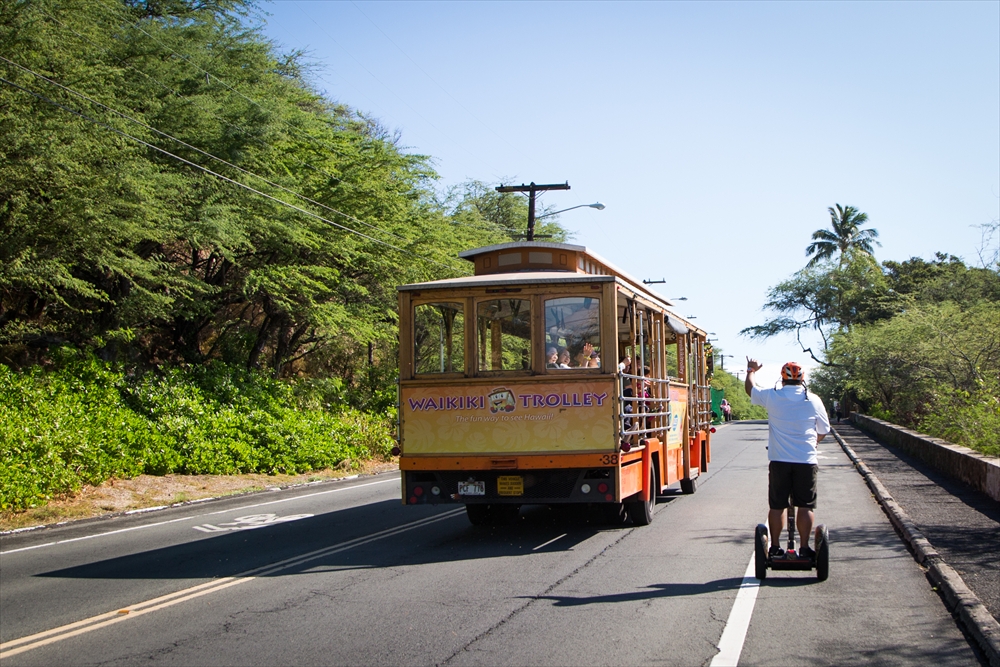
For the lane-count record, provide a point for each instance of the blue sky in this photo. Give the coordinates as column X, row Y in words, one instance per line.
column 717, row 134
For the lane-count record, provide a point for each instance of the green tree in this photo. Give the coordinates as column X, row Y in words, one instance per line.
column 478, row 205
column 945, row 278
column 914, row 342
column 844, row 238
column 737, row 396
column 116, row 235
column 824, row 299
column 935, row 367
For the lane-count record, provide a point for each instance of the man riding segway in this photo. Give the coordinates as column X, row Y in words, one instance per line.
column 797, row 422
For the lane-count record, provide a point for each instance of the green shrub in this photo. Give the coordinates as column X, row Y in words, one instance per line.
column 84, row 422
column 970, row 419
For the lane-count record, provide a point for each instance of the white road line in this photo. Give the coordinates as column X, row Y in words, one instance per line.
column 37, row 640
column 549, row 542
column 195, row 516
column 731, row 643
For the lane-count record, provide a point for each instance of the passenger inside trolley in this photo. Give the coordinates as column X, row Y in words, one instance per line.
column 572, row 326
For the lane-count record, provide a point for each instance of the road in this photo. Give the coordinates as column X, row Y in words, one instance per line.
column 343, row 574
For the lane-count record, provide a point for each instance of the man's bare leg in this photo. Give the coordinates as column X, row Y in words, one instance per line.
column 776, row 521
column 804, row 519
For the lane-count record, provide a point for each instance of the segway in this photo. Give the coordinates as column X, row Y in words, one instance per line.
column 791, row 560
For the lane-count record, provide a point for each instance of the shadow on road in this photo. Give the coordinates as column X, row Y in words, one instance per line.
column 236, row 550
column 651, row 593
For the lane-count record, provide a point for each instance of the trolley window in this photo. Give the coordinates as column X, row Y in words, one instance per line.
column 504, row 334
column 573, row 332
column 439, row 338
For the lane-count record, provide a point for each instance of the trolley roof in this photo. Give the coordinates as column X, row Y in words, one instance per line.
column 522, row 262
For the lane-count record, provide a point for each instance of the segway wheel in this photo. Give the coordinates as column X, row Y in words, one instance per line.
column 760, row 552
column 822, row 553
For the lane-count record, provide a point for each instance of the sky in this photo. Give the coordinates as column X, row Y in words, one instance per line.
column 716, row 134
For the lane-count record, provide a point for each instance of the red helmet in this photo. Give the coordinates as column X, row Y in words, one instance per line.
column 791, row 372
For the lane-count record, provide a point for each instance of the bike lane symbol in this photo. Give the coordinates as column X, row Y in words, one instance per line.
column 250, row 522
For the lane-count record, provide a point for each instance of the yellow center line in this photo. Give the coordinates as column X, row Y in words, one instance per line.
column 110, row 614
column 27, row 643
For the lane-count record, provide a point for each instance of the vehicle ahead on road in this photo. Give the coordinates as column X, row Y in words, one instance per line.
column 511, row 393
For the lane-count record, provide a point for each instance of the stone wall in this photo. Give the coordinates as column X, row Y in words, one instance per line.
column 978, row 471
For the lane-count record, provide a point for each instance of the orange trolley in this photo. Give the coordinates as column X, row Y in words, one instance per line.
column 513, row 389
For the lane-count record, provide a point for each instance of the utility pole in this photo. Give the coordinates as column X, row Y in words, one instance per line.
column 531, row 189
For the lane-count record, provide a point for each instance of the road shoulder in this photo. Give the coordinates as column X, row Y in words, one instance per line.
column 935, row 512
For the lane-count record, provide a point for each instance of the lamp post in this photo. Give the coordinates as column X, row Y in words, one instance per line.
column 598, row 205
column 531, row 236
column 532, row 190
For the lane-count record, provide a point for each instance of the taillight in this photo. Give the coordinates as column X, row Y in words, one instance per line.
column 626, row 446
column 418, row 491
column 396, row 450
column 602, row 488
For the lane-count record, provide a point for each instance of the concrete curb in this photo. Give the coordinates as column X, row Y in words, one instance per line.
column 963, row 602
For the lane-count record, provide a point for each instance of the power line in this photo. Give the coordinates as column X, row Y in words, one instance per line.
column 188, row 60
column 173, row 92
column 221, row 176
column 205, row 153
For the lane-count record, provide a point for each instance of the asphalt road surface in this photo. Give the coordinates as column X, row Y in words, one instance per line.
column 343, row 574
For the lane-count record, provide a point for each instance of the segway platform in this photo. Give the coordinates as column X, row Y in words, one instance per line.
column 790, row 559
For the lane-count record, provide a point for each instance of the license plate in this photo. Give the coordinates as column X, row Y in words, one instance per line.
column 472, row 488
column 510, row 485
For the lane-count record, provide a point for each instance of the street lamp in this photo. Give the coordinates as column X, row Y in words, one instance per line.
column 722, row 360
column 671, row 300
column 598, row 205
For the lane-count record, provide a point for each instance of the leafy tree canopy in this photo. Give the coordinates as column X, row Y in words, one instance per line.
column 915, row 342
column 173, row 190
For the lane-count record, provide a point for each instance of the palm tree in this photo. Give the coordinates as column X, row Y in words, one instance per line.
column 846, row 235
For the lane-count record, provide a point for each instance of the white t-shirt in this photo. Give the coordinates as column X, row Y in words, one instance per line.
column 794, row 419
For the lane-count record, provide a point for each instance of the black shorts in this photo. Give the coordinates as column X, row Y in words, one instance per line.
column 791, row 479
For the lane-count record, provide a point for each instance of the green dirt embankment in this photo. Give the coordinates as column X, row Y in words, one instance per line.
column 85, row 422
